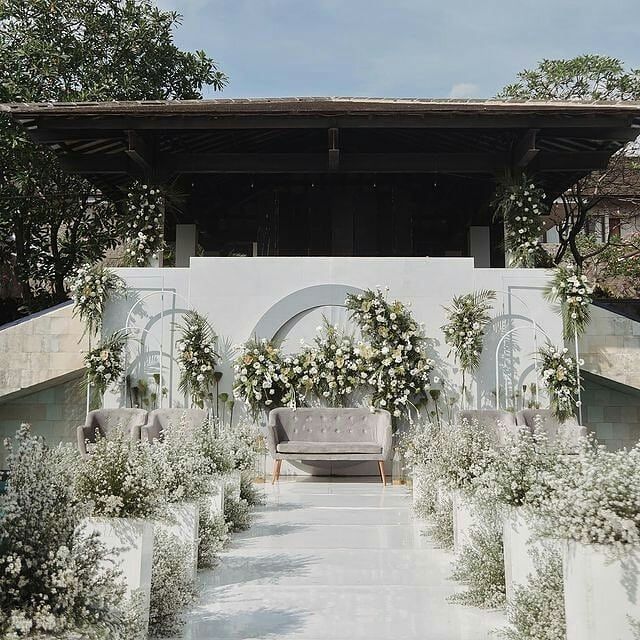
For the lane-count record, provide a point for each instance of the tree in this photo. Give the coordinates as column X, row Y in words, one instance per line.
column 76, row 50
column 586, row 77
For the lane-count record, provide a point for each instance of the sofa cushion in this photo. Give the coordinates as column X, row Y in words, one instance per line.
column 301, row 446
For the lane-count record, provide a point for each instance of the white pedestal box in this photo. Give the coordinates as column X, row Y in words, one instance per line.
column 520, row 546
column 215, row 498
column 129, row 542
column 182, row 522
column 601, row 592
column 231, row 482
column 464, row 518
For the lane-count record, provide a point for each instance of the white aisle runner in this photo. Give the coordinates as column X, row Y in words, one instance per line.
column 333, row 560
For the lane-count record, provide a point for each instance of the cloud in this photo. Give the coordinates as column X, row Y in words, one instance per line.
column 464, row 90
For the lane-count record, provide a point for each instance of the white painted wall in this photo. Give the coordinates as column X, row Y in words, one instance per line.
column 235, row 292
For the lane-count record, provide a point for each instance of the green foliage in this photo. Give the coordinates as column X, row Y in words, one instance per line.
column 105, row 362
column 172, row 589
column 237, row 514
column 537, row 611
column 213, row 534
column 585, row 77
column 480, row 565
column 249, row 492
column 572, row 290
column 77, row 50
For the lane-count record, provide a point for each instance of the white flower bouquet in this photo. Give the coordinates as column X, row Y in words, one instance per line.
column 521, row 206
column 91, row 287
column 393, row 357
column 573, row 291
column 105, row 362
column 558, row 372
column 197, row 357
column 263, row 378
column 144, row 226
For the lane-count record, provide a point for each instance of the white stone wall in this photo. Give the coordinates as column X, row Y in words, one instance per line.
column 236, row 292
column 38, row 349
column 613, row 414
column 54, row 413
column 611, row 347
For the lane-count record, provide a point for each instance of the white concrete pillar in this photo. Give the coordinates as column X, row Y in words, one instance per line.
column 480, row 246
column 186, row 243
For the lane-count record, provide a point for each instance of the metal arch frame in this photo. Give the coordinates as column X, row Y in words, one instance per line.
column 127, row 327
column 535, row 329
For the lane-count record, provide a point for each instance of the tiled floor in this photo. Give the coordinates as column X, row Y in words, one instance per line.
column 334, row 560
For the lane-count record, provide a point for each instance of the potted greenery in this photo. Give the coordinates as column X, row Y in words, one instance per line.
column 593, row 506
column 119, row 481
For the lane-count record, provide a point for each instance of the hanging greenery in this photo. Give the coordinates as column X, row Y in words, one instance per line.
column 558, row 372
column 91, row 287
column 468, row 317
column 145, row 232
column 572, row 290
column 520, row 205
column 105, row 362
column 196, row 357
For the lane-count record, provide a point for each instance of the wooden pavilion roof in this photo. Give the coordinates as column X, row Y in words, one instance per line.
column 111, row 142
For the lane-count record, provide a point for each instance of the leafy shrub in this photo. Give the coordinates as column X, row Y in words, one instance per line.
column 172, row 590
column 237, row 514
column 213, row 535
column 537, row 611
column 441, row 530
column 249, row 492
column 480, row 566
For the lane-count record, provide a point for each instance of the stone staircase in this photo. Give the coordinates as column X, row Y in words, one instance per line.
column 40, row 370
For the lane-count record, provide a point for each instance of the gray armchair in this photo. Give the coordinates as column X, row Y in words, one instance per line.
column 160, row 420
column 101, row 421
column 329, row 434
column 569, row 430
column 490, row 420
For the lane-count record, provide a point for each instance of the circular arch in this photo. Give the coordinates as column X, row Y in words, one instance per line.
column 320, row 295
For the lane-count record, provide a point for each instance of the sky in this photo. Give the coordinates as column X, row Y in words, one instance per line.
column 397, row 48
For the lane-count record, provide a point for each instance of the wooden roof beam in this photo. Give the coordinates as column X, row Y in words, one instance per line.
column 524, row 150
column 140, row 152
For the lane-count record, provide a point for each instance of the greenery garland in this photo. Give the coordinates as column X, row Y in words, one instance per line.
column 468, row 317
column 572, row 290
column 91, row 288
column 520, row 206
column 197, row 357
column 558, row 371
column 144, row 226
column 105, row 362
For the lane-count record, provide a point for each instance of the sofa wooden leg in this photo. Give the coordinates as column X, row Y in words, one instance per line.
column 276, row 471
column 382, row 476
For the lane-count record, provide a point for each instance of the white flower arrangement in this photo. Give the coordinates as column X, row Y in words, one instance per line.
column 105, row 362
column 462, row 455
column 417, row 444
column 521, row 206
column 468, row 317
column 180, row 464
column 53, row 577
column 144, row 226
column 573, row 291
column 264, row 379
column 172, row 588
column 91, row 287
column 197, row 357
column 594, row 500
column 393, row 356
column 558, row 372
column 119, row 479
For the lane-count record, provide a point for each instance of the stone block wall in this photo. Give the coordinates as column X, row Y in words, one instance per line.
column 612, row 413
column 38, row 349
column 611, row 347
column 54, row 413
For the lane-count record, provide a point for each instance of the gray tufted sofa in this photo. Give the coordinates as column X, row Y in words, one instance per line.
column 490, row 420
column 328, row 434
column 161, row 419
column 101, row 421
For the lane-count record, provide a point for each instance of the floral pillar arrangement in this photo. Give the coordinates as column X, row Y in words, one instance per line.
column 145, row 226
column 558, row 372
column 520, row 206
column 468, row 318
column 105, row 364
